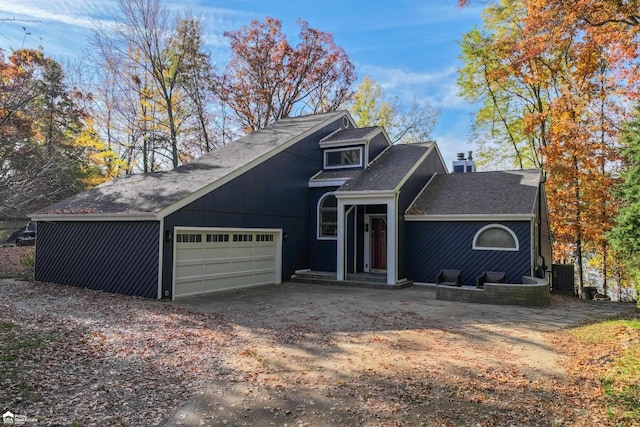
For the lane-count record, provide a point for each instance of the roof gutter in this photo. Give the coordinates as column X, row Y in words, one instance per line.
column 142, row 216
column 372, row 194
column 472, row 217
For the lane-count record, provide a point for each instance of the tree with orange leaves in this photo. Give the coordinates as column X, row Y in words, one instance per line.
column 552, row 87
column 267, row 78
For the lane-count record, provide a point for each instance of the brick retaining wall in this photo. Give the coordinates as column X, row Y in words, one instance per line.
column 533, row 292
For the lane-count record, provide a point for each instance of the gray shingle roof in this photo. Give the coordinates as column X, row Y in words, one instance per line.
column 389, row 169
column 480, row 193
column 350, row 134
column 337, row 174
column 150, row 193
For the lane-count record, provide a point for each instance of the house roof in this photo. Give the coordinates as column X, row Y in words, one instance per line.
column 336, row 174
column 479, row 193
column 389, row 169
column 350, row 134
column 152, row 192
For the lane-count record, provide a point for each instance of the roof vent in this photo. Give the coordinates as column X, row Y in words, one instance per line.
column 462, row 165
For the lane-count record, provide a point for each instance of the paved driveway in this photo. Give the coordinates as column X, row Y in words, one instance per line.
column 326, row 355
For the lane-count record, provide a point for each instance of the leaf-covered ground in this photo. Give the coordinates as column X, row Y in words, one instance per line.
column 12, row 261
column 296, row 355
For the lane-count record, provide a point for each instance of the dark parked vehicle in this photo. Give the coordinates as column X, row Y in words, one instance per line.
column 27, row 238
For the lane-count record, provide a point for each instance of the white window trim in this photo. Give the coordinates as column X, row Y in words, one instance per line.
column 344, row 149
column 475, row 247
column 318, row 219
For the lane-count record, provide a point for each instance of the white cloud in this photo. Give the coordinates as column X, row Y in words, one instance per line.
column 390, row 78
column 439, row 88
column 85, row 14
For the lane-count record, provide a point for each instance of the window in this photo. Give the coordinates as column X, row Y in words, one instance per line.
column 343, row 158
column 212, row 238
column 264, row 237
column 328, row 217
column 496, row 237
column 189, row 238
column 243, row 237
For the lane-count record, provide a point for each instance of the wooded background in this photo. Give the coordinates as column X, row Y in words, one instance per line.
column 557, row 83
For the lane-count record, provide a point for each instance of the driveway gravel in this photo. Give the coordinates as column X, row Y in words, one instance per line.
column 293, row 354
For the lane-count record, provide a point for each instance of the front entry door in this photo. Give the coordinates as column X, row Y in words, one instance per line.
column 378, row 248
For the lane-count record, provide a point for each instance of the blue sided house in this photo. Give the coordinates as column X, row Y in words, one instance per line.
column 305, row 194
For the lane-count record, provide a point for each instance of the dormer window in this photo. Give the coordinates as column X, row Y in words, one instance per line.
column 343, row 158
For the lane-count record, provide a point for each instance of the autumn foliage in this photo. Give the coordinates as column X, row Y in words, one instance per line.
column 268, row 78
column 556, row 79
column 48, row 147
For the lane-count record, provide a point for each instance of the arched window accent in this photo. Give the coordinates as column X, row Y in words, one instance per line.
column 328, row 217
column 496, row 237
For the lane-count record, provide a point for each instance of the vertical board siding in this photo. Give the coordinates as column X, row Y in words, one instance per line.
column 351, row 242
column 436, row 245
column 322, row 253
column 408, row 193
column 377, row 145
column 274, row 194
column 119, row 257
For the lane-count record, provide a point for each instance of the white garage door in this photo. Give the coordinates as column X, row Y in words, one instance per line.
column 209, row 260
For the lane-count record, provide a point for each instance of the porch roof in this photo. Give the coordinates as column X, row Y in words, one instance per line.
column 336, row 174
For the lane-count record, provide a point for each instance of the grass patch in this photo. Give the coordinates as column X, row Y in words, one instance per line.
column 619, row 341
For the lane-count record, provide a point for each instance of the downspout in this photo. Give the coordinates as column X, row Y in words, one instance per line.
column 540, row 195
column 160, row 257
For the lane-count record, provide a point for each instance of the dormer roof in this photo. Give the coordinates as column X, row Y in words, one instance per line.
column 350, row 136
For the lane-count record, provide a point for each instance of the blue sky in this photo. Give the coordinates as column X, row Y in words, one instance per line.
column 410, row 47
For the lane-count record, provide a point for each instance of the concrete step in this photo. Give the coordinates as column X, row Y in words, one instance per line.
column 358, row 280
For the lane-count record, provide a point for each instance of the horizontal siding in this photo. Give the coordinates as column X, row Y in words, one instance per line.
column 118, row 257
column 448, row 245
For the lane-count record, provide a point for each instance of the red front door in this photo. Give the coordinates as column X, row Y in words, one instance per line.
column 378, row 243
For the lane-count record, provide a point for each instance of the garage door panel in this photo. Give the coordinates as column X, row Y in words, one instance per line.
column 241, row 251
column 216, row 253
column 263, row 251
column 189, row 253
column 241, row 265
column 243, row 258
column 245, row 279
column 216, row 267
column 265, row 263
column 189, row 270
column 190, row 286
column 263, row 278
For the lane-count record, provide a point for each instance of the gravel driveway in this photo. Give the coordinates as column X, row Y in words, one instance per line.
column 292, row 354
column 323, row 355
